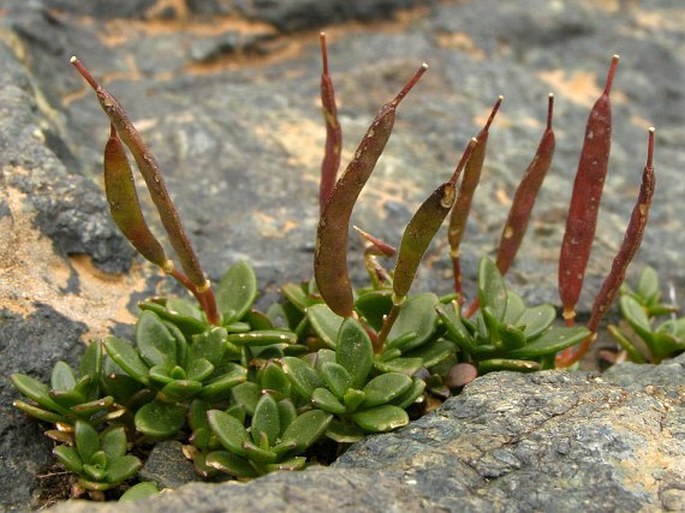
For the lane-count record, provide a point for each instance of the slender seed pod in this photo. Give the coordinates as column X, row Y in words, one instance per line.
column 587, row 192
column 120, row 189
column 377, row 246
column 424, row 225
column 460, row 212
column 330, row 256
column 629, row 246
column 333, row 147
column 149, row 169
column 525, row 195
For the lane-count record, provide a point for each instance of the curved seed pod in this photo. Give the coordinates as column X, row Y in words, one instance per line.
column 124, row 206
column 330, row 256
column 587, row 193
column 149, row 168
column 525, row 195
column 424, row 225
column 333, row 147
column 629, row 246
column 460, row 212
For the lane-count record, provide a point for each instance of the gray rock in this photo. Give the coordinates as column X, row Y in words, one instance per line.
column 238, row 132
column 551, row 441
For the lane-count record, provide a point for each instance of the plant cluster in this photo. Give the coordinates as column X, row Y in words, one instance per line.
column 250, row 391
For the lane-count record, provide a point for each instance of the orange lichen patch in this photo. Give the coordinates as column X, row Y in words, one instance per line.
column 580, row 87
column 159, row 8
column 502, row 121
column 672, row 19
column 641, row 122
column 461, row 42
column 302, row 140
column 606, row 5
column 273, row 226
column 101, row 300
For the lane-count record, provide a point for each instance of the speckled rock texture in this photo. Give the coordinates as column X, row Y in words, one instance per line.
column 226, row 94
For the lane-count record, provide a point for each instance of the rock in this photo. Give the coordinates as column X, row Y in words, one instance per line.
column 229, row 104
column 553, row 441
column 167, row 467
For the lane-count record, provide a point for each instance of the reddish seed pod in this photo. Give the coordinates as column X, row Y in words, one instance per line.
column 149, row 169
column 330, row 255
column 585, row 199
column 124, row 205
column 424, row 225
column 629, row 246
column 333, row 147
column 462, row 206
column 525, row 195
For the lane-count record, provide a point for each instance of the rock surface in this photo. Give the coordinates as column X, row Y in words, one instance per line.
column 227, row 98
column 551, row 441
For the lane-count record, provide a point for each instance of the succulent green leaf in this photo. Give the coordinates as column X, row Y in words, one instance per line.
column 536, row 320
column 303, row 377
column 354, row 351
column 87, row 440
column 92, row 360
column 258, row 454
column 156, row 344
column 512, row 337
column 67, row 398
column 139, row 491
column 344, row 432
column 220, row 387
column 500, row 364
column 326, row 324
column 515, row 308
column 123, row 468
column 93, row 407
column 247, row 395
column 306, row 429
column 39, row 392
column 336, row 377
column 229, row 463
column 113, row 442
column 236, row 292
column 433, row 352
column 296, row 296
column 373, row 305
column 386, row 387
column 161, row 374
column 38, row 413
column 381, row 419
column 179, row 390
column 262, row 338
column 353, row 398
column 69, row 457
column 160, row 420
column 229, row 431
column 286, row 412
column 411, row 395
column 417, row 315
column 635, row 314
column 210, row 345
column 187, row 324
column 665, row 344
column 634, row 353
column 406, row 366
column 296, row 463
column 266, row 421
column 199, row 369
column 552, row 341
column 121, row 386
column 492, row 292
column 450, row 316
column 325, row 400
column 648, row 285
column 273, row 378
